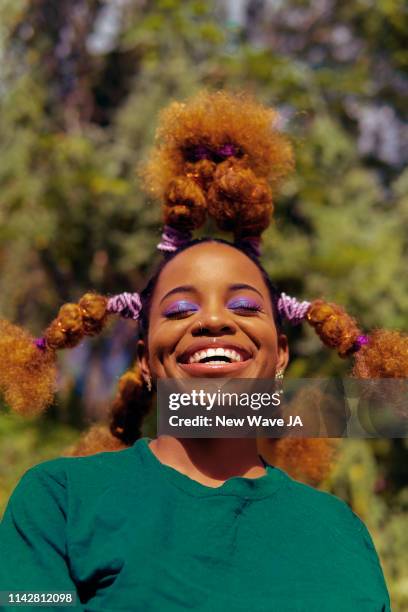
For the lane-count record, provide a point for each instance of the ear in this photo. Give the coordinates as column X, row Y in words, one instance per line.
column 143, row 359
column 283, row 352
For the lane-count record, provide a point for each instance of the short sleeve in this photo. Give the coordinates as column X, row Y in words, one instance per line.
column 33, row 536
column 384, row 604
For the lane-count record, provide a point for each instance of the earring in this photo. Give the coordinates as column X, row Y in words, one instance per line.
column 148, row 383
column 279, row 378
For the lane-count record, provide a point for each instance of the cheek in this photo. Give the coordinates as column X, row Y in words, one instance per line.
column 264, row 335
column 156, row 347
column 268, row 351
column 271, row 336
column 163, row 338
column 269, row 347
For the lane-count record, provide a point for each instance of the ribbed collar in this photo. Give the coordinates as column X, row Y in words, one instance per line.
column 247, row 488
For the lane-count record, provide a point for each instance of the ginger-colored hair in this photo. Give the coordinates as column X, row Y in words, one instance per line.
column 189, row 173
column 28, row 373
column 218, row 155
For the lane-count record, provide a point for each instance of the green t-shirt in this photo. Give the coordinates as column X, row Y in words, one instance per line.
column 128, row 533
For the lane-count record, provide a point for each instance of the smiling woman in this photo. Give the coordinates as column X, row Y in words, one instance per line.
column 193, row 523
column 221, row 322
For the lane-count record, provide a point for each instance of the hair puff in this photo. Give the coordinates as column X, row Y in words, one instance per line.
column 385, row 356
column 306, row 459
column 220, row 153
column 27, row 373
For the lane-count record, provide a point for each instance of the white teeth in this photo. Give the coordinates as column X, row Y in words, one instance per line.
column 217, row 352
column 218, row 362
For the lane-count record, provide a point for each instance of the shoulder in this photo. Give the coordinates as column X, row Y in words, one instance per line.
column 56, row 477
column 57, row 467
column 329, row 514
column 331, row 529
column 317, row 499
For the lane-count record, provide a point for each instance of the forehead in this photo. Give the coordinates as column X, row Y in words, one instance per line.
column 210, row 265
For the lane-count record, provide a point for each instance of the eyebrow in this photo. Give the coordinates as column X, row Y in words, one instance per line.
column 180, row 289
column 192, row 289
column 239, row 286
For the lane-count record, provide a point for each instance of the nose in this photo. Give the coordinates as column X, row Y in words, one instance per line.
column 213, row 324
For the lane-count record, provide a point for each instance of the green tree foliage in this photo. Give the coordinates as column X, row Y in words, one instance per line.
column 25, row 443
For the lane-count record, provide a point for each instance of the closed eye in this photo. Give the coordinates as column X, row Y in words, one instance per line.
column 180, row 309
column 245, row 306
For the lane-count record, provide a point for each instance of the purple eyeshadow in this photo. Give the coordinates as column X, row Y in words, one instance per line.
column 180, row 307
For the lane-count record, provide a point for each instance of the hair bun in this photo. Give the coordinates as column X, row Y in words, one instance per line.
column 218, row 153
column 239, row 201
column 185, row 206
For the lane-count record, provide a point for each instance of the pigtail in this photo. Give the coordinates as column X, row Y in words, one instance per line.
column 379, row 354
column 131, row 404
column 74, row 321
column 129, row 408
column 334, row 326
column 28, row 370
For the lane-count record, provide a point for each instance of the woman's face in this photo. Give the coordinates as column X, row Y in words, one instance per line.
column 211, row 316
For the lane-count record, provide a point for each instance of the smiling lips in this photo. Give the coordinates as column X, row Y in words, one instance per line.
column 215, row 359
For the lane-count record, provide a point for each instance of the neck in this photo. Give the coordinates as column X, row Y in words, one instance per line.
column 210, row 460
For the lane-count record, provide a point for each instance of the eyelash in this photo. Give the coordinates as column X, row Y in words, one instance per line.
column 179, row 312
column 249, row 306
